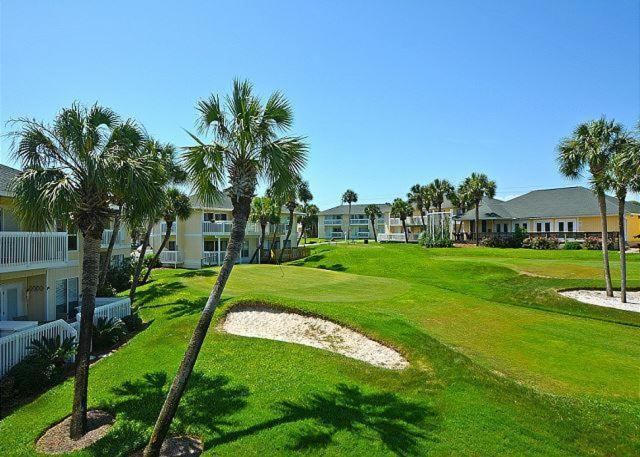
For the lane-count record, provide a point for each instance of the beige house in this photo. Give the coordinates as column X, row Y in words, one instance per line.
column 40, row 272
column 202, row 239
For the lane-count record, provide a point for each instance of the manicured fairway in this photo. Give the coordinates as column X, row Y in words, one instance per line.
column 500, row 364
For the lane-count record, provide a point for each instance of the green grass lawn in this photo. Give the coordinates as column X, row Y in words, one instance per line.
column 500, row 363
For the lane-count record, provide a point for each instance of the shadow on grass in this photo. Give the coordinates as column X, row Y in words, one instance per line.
column 334, row 267
column 156, row 292
column 399, row 424
column 203, row 272
column 205, row 407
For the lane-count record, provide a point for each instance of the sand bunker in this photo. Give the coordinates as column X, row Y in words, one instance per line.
column 274, row 324
column 599, row 298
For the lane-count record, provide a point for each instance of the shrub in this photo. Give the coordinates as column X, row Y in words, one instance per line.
column 572, row 246
column 107, row 333
column 119, row 276
column 434, row 241
column 514, row 240
column 55, row 350
column 133, row 322
column 106, row 290
column 543, row 243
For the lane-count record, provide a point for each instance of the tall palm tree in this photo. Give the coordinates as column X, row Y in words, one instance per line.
column 476, row 187
column 416, row 197
column 402, row 209
column 459, row 200
column 299, row 191
column 309, row 219
column 440, row 188
column 427, row 197
column 590, row 148
column 263, row 210
column 176, row 206
column 349, row 197
column 70, row 168
column 373, row 212
column 246, row 147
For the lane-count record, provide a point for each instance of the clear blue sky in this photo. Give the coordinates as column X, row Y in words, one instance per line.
column 388, row 93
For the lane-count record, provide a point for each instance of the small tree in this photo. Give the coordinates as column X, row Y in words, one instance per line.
column 373, row 212
column 300, row 190
column 263, row 210
column 402, row 209
column 476, row 187
column 349, row 197
column 416, row 197
column 309, row 219
column 459, row 199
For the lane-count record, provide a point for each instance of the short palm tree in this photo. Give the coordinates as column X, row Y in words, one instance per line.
column 263, row 210
column 402, row 209
column 246, row 147
column 476, row 187
column 440, row 188
column 177, row 206
column 299, row 191
column 70, row 169
column 416, row 198
column 459, row 199
column 309, row 219
column 373, row 212
column 590, row 148
column 349, row 197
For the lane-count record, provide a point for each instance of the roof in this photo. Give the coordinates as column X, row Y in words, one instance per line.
column 6, row 175
column 224, row 204
column 357, row 208
column 559, row 202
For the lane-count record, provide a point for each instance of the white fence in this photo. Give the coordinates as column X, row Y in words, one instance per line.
column 171, row 257
column 13, row 348
column 110, row 308
column 392, row 237
column 26, row 250
column 224, row 228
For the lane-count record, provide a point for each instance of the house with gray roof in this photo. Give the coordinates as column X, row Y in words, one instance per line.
column 337, row 222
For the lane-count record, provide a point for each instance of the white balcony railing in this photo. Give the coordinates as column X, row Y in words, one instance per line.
column 362, row 234
column 333, row 222
column 163, row 228
column 171, row 257
column 224, row 228
column 358, row 221
column 28, row 250
column 109, row 307
column 106, row 238
column 397, row 237
column 412, row 220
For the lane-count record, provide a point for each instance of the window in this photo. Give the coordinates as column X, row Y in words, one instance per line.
column 524, row 226
column 506, row 228
column 214, row 217
column 209, row 245
column 538, row 226
column 517, row 226
column 570, row 226
column 561, row 226
column 547, row 226
column 72, row 241
column 498, row 228
column 66, row 297
column 484, row 226
column 245, row 249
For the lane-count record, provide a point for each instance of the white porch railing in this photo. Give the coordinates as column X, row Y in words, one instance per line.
column 171, row 257
column 163, row 228
column 333, row 222
column 396, row 237
column 106, row 238
column 13, row 348
column 110, row 308
column 224, row 228
column 210, row 258
column 27, row 250
column 362, row 234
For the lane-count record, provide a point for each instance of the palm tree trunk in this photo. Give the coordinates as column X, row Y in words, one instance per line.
column 261, row 244
column 90, row 267
column 622, row 195
column 156, row 257
column 373, row 227
column 104, row 268
column 406, row 235
column 136, row 274
column 288, row 238
column 273, row 240
column 241, row 215
column 349, row 224
column 424, row 226
column 477, row 224
column 605, row 242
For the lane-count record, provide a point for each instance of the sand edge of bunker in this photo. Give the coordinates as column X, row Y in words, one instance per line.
column 597, row 297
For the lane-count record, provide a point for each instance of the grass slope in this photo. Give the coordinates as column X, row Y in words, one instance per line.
column 500, row 364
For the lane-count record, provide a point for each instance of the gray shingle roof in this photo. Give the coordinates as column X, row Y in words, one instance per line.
column 224, row 204
column 356, row 208
column 560, row 202
column 6, row 175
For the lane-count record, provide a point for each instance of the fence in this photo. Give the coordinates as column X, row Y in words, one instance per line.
column 32, row 249
column 110, row 308
column 273, row 255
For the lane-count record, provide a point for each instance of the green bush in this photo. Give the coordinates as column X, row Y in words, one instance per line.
column 541, row 243
column 572, row 246
column 119, row 276
column 434, row 241
column 106, row 290
column 56, row 350
column 107, row 333
column 133, row 322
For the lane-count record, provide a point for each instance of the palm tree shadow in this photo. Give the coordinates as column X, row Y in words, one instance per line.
column 157, row 291
column 203, row 272
column 399, row 424
column 206, row 406
column 184, row 307
column 334, row 267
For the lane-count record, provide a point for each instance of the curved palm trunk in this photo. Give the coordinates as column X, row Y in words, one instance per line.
column 622, row 195
column 240, row 217
column 477, row 227
column 90, row 267
column 288, row 236
column 136, row 274
column 163, row 244
column 373, row 227
column 104, row 268
column 349, row 224
column 605, row 242
column 406, row 235
column 263, row 228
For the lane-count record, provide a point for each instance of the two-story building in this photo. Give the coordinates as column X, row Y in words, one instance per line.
column 336, row 222
column 202, row 239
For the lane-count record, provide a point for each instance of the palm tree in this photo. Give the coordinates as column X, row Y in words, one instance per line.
column 427, row 197
column 309, row 219
column 263, row 210
column 459, row 200
column 70, row 168
column 440, row 188
column 246, row 147
column 373, row 212
column 402, row 209
column 590, row 148
column 299, row 190
column 177, row 206
column 476, row 187
column 416, row 197
column 349, row 197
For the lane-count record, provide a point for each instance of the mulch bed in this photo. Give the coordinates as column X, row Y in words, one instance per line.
column 178, row 446
column 56, row 440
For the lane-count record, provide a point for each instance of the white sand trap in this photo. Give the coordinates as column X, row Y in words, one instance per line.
column 274, row 324
column 599, row 298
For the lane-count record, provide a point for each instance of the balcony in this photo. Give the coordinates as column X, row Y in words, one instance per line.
column 397, row 237
column 333, row 222
column 32, row 250
column 362, row 235
column 106, row 238
column 163, row 228
column 412, row 220
column 174, row 258
column 359, row 221
column 223, row 228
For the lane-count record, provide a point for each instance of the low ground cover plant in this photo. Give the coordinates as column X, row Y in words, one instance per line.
column 107, row 333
